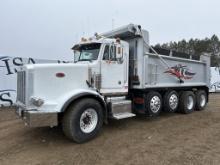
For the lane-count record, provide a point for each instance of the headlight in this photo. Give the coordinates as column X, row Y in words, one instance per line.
column 37, row 101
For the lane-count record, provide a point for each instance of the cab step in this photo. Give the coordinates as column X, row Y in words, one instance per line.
column 120, row 108
column 124, row 115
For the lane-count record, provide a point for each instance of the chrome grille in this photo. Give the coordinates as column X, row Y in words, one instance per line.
column 21, row 86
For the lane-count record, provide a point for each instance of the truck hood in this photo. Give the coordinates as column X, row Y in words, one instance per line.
column 44, row 82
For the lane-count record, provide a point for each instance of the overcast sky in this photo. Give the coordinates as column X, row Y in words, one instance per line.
column 49, row 28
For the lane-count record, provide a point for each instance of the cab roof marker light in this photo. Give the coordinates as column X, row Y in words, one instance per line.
column 83, row 39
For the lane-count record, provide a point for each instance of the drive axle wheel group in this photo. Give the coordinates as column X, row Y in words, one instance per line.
column 183, row 101
column 190, row 101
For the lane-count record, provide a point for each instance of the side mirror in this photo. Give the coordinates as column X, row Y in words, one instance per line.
column 119, row 52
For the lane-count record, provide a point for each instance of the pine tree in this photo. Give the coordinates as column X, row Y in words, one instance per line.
column 196, row 47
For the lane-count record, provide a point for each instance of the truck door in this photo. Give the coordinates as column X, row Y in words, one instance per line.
column 114, row 70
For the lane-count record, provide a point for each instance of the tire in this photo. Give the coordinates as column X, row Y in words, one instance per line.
column 201, row 100
column 187, row 102
column 170, row 101
column 83, row 120
column 153, row 104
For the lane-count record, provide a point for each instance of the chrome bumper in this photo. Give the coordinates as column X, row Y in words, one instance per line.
column 34, row 118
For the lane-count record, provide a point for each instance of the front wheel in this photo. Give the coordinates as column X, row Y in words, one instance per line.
column 83, row 120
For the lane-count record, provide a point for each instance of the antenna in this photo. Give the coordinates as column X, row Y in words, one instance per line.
column 113, row 23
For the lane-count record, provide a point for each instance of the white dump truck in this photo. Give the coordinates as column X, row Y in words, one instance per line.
column 113, row 76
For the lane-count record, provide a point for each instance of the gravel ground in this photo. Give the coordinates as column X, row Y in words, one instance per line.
column 168, row 139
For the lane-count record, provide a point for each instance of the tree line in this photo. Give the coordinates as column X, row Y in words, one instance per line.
column 196, row 47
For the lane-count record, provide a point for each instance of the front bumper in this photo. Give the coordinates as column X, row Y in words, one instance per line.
column 35, row 118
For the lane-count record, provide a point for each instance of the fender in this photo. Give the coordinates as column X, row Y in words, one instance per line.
column 86, row 93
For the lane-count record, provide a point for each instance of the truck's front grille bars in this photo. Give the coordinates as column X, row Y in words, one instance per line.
column 21, row 86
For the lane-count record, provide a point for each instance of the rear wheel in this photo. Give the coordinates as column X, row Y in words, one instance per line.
column 153, row 104
column 83, row 120
column 201, row 100
column 187, row 102
column 171, row 101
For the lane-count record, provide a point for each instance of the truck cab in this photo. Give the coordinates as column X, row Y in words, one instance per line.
column 108, row 63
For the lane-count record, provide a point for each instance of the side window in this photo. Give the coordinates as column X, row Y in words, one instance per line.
column 110, row 53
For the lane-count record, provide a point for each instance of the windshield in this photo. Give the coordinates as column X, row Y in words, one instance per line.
column 87, row 52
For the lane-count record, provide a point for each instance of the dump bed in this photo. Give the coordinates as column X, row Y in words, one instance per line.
column 174, row 72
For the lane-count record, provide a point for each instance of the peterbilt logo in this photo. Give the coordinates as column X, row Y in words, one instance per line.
column 181, row 72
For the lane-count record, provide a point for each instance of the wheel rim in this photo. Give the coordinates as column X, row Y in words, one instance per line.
column 88, row 120
column 155, row 104
column 202, row 100
column 190, row 102
column 173, row 101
